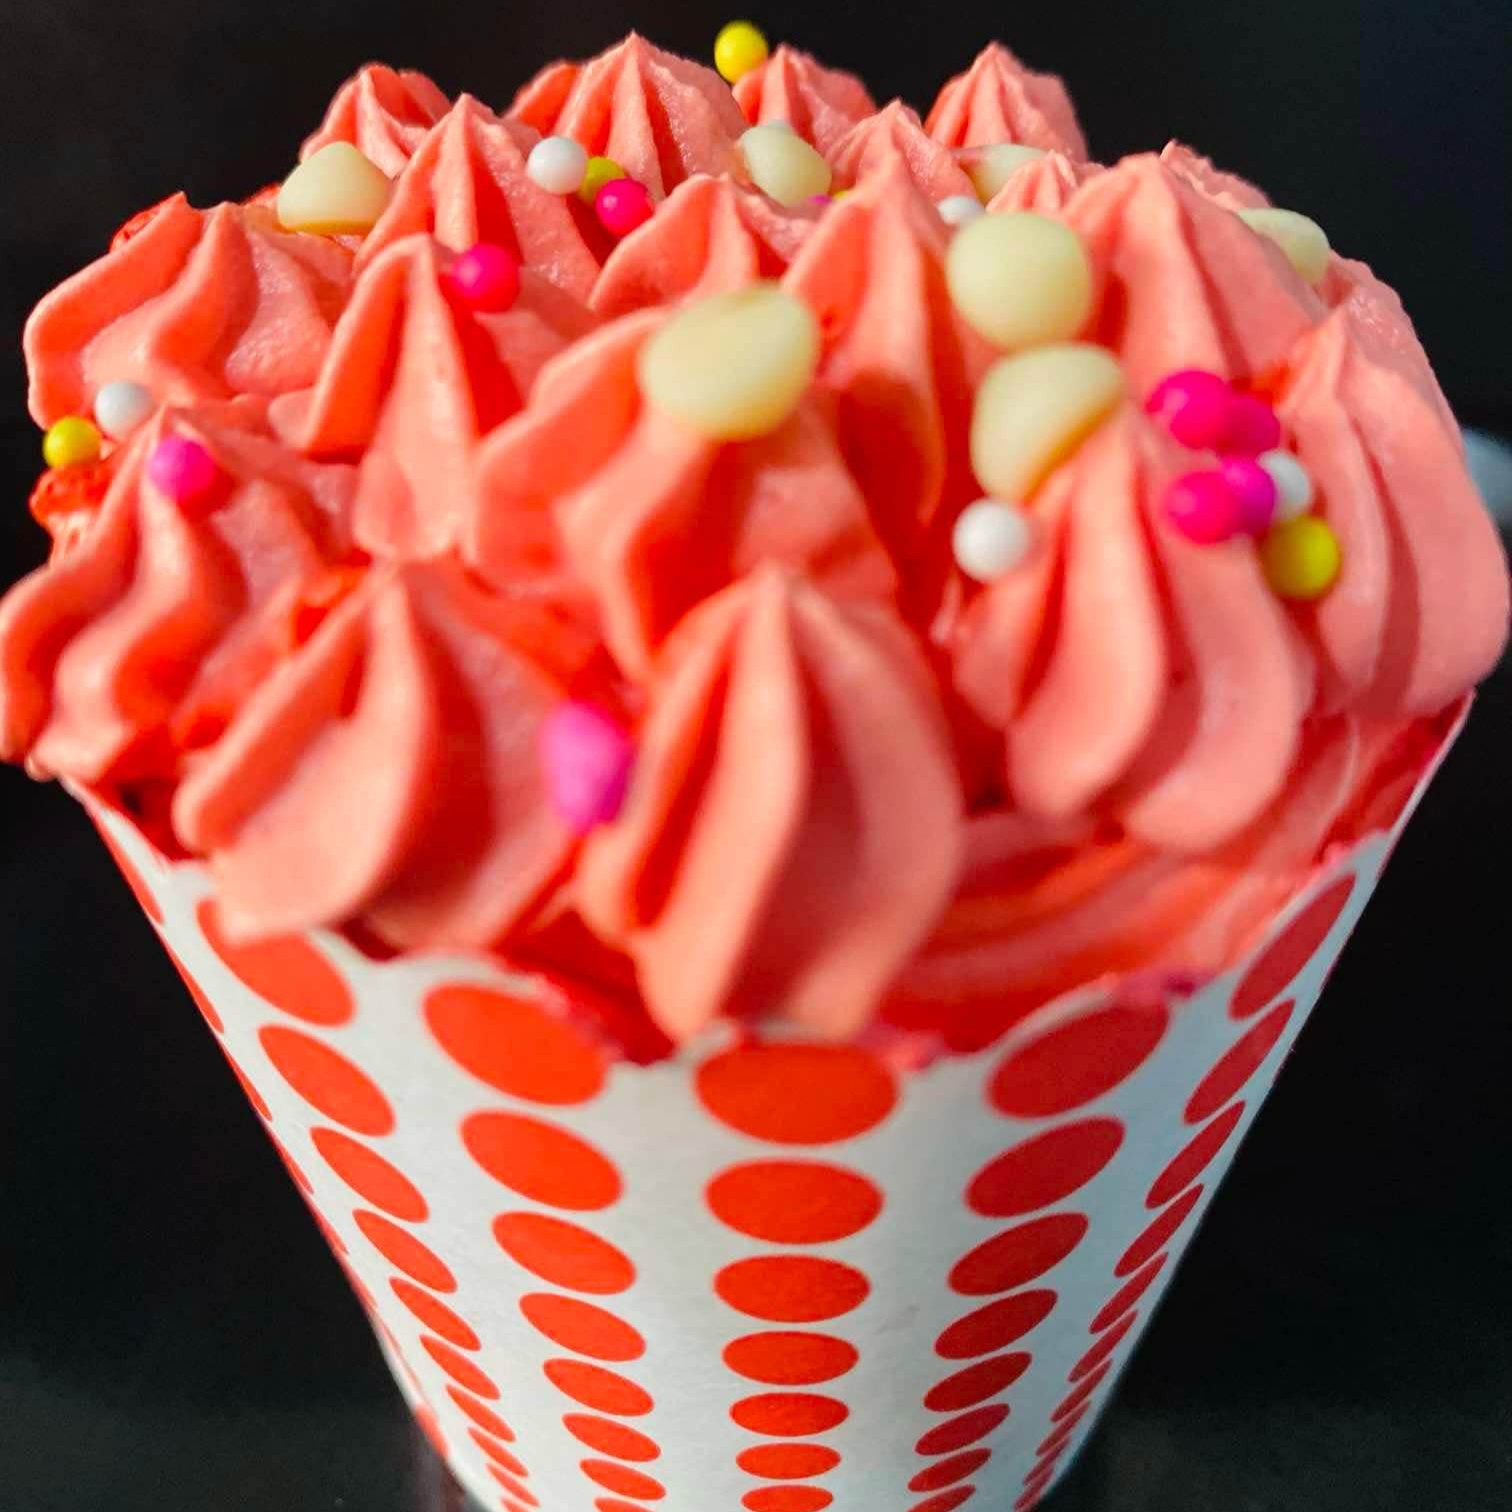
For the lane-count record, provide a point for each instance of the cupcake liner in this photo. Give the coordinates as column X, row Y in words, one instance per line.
column 767, row 1273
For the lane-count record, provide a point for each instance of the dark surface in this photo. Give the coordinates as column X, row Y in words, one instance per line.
column 176, row 1338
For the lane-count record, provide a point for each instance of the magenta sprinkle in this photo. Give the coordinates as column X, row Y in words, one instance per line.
column 1194, row 406
column 622, row 205
column 1254, row 491
column 1203, row 507
column 486, row 276
column 184, row 471
column 1252, row 427
column 586, row 758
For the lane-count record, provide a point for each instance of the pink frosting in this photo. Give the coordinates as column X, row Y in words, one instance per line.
column 820, row 104
column 896, row 135
column 660, row 117
column 763, row 856
column 999, row 100
column 1231, row 191
column 1044, row 185
column 383, row 112
column 198, row 305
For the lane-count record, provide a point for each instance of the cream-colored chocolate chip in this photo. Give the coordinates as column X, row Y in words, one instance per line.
column 989, row 168
column 334, row 192
column 1020, row 279
column 1033, row 410
column 735, row 365
column 1303, row 240
column 783, row 165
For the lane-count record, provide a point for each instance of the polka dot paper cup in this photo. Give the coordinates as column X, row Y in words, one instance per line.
column 769, row 1275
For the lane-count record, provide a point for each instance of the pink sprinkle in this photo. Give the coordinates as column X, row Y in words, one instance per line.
column 183, row 471
column 1203, row 507
column 1254, row 490
column 821, row 199
column 1252, row 427
column 622, row 205
column 486, row 276
column 587, row 759
column 1194, row 406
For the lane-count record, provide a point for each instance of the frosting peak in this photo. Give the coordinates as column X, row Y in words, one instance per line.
column 997, row 99
column 383, row 112
column 820, row 104
column 896, row 135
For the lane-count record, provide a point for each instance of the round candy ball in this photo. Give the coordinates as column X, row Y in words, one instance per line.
column 1294, row 484
column 1301, row 239
column 335, row 191
column 1254, row 491
column 991, row 538
column 70, row 441
column 183, row 470
column 622, row 206
column 598, row 172
column 783, row 165
column 1020, row 279
column 989, row 168
column 1301, row 558
column 957, row 209
column 557, row 165
column 486, row 277
column 586, row 759
column 120, row 407
column 1250, row 427
column 1194, row 406
column 735, row 365
column 738, row 49
column 1202, row 507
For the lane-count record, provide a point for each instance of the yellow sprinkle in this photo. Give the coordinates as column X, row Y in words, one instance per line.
column 738, row 49
column 72, row 440
column 600, row 171
column 1303, row 240
column 1300, row 558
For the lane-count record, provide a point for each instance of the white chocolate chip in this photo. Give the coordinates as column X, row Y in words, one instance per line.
column 120, row 407
column 557, row 164
column 957, row 209
column 1294, row 484
column 1303, row 240
column 335, row 191
column 989, row 168
column 1020, row 279
column 783, row 165
column 991, row 538
column 1034, row 409
column 735, row 365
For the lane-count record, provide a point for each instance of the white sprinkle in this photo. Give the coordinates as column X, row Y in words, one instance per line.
column 957, row 209
column 557, row 164
column 990, row 539
column 121, row 406
column 1294, row 485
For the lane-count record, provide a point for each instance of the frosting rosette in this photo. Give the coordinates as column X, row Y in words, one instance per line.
column 895, row 135
column 821, row 104
column 1043, row 184
column 997, row 99
column 383, row 112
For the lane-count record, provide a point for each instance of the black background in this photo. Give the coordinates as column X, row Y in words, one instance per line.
column 174, row 1337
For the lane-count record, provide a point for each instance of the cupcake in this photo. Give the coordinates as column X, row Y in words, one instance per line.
column 754, row 719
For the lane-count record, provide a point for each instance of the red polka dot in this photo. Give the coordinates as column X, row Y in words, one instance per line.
column 253, row 1095
column 435, row 1315
column 610, row 1438
column 1077, row 1062
column 1028, row 1500
column 1238, row 1065
column 1077, row 1398
column 1045, row 1168
column 515, row 1046
column 623, row 1479
column 327, row 1080
column 1048, row 1457
column 793, row 1201
column 1153, row 1239
column 1103, row 1348
column 1286, row 955
column 946, row 1501
column 787, row 1499
column 947, row 1472
column 598, row 1388
column 787, row 1461
column 511, row 1485
column 789, row 1359
column 302, row 1181
column 370, row 1175
column 797, row 1094
column 489, row 1422
column 1063, row 1431
column 288, row 972
column 789, row 1414
column 614, row 1504
column 1018, row 1254
column 405, row 1252
column 1188, row 1162
column 582, row 1327
column 990, row 1328
column 332, row 1238
column 1037, row 1479
column 431, row 1429
column 976, row 1383
column 497, row 1453
column 205, row 1006
column 459, row 1368
column 563, row 1253
column 963, row 1430
column 541, row 1161
column 1127, row 1295
column 128, row 870
column 791, row 1288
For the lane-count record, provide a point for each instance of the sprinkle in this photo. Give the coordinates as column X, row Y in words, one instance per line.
column 957, row 209
column 738, row 49
column 336, row 191
column 557, row 164
column 989, row 168
column 623, row 205
column 1202, row 507
column 1020, row 279
column 486, row 277
column 1251, row 426
column 1302, row 240
column 1194, row 406
column 783, row 165
column 70, row 441
column 120, row 407
column 990, row 539
column 821, row 200
column 598, row 172
column 184, row 471
column 1294, row 484
column 1254, row 491
column 586, row 759
column 1301, row 558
